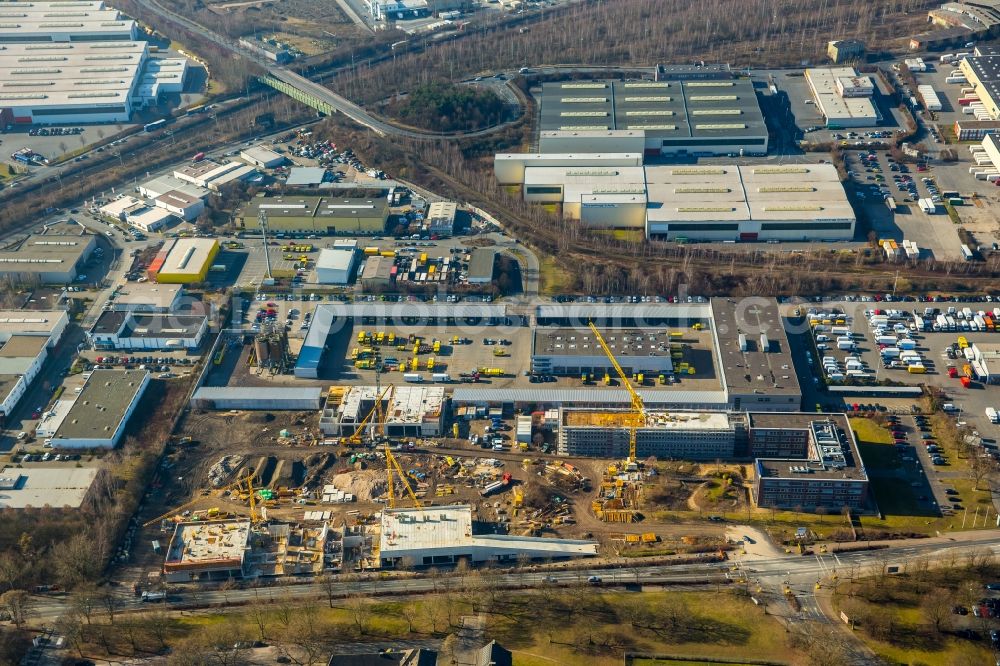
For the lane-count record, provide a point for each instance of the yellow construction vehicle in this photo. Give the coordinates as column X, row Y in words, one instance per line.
column 235, row 485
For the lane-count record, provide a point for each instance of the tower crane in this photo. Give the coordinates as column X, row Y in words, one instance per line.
column 235, row 485
column 637, row 417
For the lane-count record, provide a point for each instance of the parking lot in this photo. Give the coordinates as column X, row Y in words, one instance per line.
column 877, row 177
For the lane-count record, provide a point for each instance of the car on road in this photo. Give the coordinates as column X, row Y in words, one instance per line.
column 594, row 580
column 992, row 586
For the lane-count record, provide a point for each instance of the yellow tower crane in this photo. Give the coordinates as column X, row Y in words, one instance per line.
column 637, row 417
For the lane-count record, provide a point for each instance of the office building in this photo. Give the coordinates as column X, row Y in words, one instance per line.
column 180, row 204
column 130, row 330
column 671, row 435
column 832, row 476
column 214, row 176
column 843, row 97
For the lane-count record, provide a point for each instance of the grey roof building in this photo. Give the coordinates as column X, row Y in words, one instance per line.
column 101, row 410
column 49, row 259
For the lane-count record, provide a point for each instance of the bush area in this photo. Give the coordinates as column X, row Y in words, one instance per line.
column 445, row 107
column 911, row 618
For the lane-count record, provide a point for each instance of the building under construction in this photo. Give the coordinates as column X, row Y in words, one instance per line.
column 683, row 435
column 410, row 411
column 270, row 351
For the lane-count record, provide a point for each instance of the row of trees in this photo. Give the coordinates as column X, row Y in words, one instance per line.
column 645, row 32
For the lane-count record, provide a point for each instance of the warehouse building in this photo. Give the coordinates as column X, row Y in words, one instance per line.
column 754, row 356
column 677, row 116
column 27, row 338
column 975, row 130
column 258, row 397
column 316, row 215
column 157, row 187
column 845, row 50
column 411, row 411
column 181, row 204
column 59, row 487
column 671, row 435
column 727, row 202
column 214, row 176
column 509, row 167
column 749, row 203
column 440, row 219
column 377, row 273
column 184, row 260
column 146, row 297
column 482, row 265
column 843, row 97
column 831, row 476
column 63, row 22
column 983, row 74
column 262, row 157
column 138, row 213
column 681, row 116
column 135, row 331
column 48, row 259
column 444, row 535
column 336, row 265
column 575, row 351
column 70, row 82
column 101, row 410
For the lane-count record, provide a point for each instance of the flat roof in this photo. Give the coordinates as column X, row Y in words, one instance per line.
column 21, row 487
column 770, row 371
column 169, row 183
column 335, row 259
column 833, row 451
column 675, row 109
column 101, row 405
column 41, row 19
column 131, row 324
column 314, row 206
column 986, row 70
column 442, row 210
column 656, row 420
column 624, row 342
column 189, row 255
column 8, row 381
column 68, row 73
column 41, row 253
column 31, row 322
column 377, row 268
column 147, row 294
column 23, row 346
column 440, row 528
column 178, row 198
column 482, row 262
column 208, row 544
column 261, row 154
column 823, row 82
column 306, row 176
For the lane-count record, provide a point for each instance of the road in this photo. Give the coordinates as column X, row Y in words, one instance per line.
column 800, row 573
column 337, row 102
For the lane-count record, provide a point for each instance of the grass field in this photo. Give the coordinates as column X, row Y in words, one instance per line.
column 556, row 626
column 553, row 278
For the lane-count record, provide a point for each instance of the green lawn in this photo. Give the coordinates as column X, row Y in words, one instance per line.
column 554, row 279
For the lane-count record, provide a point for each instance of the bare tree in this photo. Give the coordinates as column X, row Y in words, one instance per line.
column 15, row 602
column 936, row 608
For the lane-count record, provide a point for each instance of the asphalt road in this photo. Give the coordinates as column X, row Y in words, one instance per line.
column 800, row 573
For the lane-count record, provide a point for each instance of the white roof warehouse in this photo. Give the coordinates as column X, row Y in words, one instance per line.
column 63, row 82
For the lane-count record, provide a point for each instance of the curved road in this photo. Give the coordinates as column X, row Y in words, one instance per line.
column 337, row 102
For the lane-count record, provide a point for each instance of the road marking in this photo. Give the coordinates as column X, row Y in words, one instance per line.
column 836, row 559
column 822, row 564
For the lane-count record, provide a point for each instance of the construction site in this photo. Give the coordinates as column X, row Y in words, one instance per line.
column 537, row 427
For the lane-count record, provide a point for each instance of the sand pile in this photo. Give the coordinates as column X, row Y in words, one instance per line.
column 365, row 485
